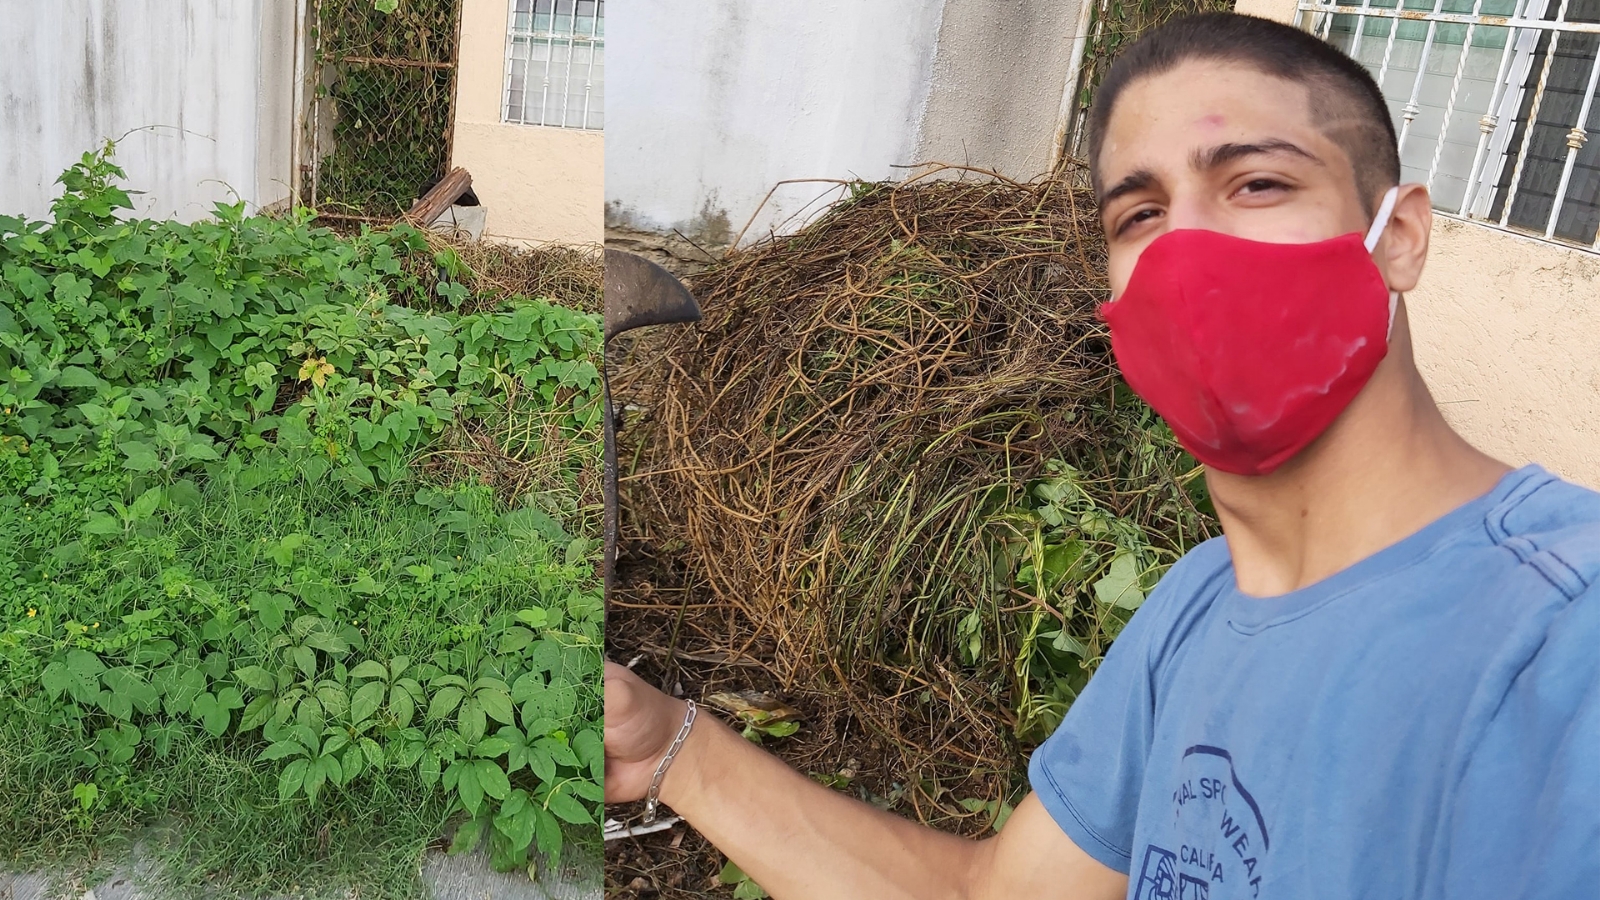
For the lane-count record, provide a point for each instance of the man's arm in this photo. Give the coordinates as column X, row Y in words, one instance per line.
column 800, row 840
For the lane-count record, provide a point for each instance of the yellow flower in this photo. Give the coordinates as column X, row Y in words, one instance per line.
column 316, row 369
column 32, row 612
column 97, row 624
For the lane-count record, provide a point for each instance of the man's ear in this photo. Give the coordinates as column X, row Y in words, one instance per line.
column 1403, row 249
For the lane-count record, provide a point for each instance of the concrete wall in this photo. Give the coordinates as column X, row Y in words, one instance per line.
column 540, row 184
column 210, row 82
column 999, row 75
column 1507, row 331
column 713, row 102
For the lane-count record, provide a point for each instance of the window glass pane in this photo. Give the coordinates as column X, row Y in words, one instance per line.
column 1570, row 67
column 555, row 63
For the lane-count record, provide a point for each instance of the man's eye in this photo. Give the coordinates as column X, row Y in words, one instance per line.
column 1260, row 185
column 1140, row 216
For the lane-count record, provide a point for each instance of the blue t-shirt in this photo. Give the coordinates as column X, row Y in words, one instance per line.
column 1423, row 724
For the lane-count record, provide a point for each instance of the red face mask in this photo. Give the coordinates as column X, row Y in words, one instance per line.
column 1250, row 350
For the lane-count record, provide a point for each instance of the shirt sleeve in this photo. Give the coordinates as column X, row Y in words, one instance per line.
column 1089, row 772
column 1526, row 814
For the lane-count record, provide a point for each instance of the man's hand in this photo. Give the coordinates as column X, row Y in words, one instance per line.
column 641, row 723
column 818, row 842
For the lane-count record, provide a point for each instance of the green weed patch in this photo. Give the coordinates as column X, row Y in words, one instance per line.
column 291, row 531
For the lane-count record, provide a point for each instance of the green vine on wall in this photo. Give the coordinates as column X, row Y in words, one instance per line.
column 386, row 86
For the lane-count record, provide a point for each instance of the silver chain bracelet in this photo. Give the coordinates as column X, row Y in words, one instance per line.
column 653, row 799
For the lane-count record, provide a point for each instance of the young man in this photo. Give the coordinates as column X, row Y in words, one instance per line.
column 1383, row 682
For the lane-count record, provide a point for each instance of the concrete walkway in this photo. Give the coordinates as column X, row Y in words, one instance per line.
column 579, row 877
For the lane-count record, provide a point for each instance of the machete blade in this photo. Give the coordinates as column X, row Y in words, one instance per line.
column 637, row 293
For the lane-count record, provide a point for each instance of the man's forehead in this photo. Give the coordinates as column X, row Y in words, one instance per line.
column 1199, row 98
column 1174, row 118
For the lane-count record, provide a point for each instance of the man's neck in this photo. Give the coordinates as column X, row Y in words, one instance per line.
column 1389, row 466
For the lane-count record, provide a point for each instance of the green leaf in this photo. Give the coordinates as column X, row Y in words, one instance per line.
column 491, row 748
column 335, row 772
column 327, row 643
column 373, row 752
column 1119, row 587
column 468, row 836
column 471, row 721
column 127, row 683
column 141, row 457
column 316, row 776
column 146, row 505
column 1066, row 643
column 444, row 702
column 528, row 686
column 335, row 742
column 257, row 713
column 428, row 768
column 291, row 779
column 498, row 706
column 402, row 705
column 256, row 678
column 272, row 609
column 470, row 790
column 568, row 808
column 541, row 763
column 77, row 377
column 533, row 618
column 84, row 664
column 386, row 6
column 56, row 678
column 370, row 669
column 186, row 683
column 749, row 890
column 306, row 659
column 353, row 762
column 493, row 779
column 214, row 715
column 281, row 750
column 366, row 701
column 516, row 822
column 515, row 640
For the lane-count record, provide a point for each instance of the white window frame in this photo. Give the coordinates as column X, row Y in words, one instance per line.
column 1499, row 121
column 524, row 37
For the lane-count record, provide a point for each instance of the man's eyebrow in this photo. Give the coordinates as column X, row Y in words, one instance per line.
column 1221, row 154
column 1137, row 180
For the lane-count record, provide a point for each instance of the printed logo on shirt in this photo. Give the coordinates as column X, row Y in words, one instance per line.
column 1161, row 880
column 1219, row 832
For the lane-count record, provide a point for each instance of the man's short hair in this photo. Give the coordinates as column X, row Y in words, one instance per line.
column 1348, row 107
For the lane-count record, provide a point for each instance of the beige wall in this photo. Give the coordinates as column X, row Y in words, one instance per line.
column 540, row 184
column 1507, row 330
column 1507, row 333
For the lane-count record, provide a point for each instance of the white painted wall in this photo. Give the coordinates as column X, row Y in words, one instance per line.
column 710, row 103
column 210, row 82
column 714, row 102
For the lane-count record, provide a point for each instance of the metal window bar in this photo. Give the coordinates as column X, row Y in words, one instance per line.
column 1522, row 31
column 554, row 64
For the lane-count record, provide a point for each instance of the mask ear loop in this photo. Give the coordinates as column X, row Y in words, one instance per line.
column 1379, row 223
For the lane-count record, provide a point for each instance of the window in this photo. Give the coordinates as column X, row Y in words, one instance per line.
column 555, row 63
column 1494, row 102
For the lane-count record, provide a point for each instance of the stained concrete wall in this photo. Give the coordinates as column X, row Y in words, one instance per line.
column 999, row 76
column 540, row 184
column 211, row 84
column 713, row 102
